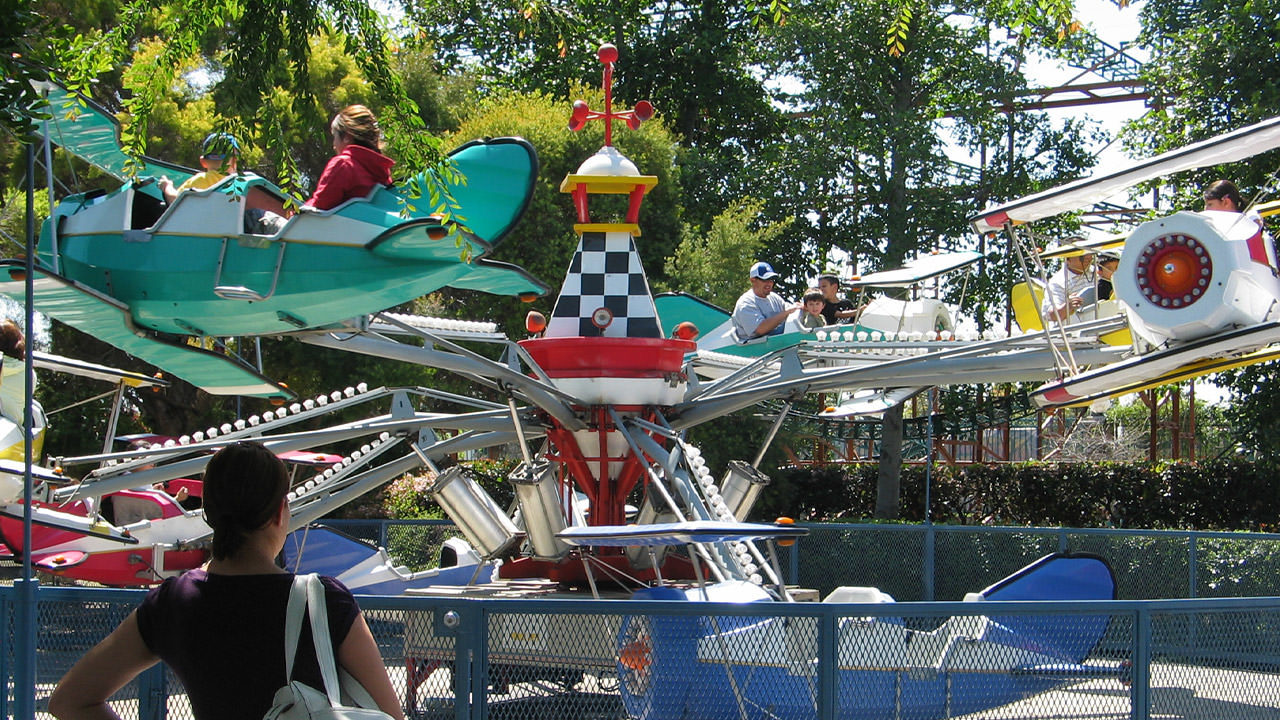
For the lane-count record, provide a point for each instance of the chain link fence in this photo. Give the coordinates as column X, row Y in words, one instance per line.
column 1140, row 657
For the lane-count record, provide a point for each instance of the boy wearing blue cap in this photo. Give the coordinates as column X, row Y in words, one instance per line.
column 760, row 311
column 218, row 155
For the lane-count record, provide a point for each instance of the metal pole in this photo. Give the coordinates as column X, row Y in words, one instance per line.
column 773, row 431
column 24, row 681
column 53, row 226
column 110, row 436
column 1140, row 695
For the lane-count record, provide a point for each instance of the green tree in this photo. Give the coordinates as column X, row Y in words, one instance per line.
column 697, row 63
column 713, row 266
column 865, row 153
column 544, row 240
column 181, row 113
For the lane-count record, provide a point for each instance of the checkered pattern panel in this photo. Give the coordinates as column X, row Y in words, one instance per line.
column 605, row 275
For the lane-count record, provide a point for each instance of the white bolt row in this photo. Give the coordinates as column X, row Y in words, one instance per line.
column 449, row 324
column 268, row 416
column 337, row 467
column 944, row 336
column 698, row 464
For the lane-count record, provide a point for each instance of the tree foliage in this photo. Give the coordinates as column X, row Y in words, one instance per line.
column 714, row 265
column 544, row 240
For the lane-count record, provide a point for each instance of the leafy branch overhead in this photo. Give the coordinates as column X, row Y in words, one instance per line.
column 1050, row 20
column 265, row 54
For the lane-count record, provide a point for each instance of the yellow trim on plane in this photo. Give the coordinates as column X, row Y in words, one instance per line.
column 632, row 228
column 1113, row 242
column 1268, row 209
column 17, row 453
column 1026, row 298
column 1186, row 372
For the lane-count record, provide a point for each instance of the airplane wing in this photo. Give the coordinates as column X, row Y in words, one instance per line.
column 1160, row 367
column 500, row 278
column 824, row 367
column 1092, row 245
column 918, row 270
column 58, row 363
column 90, row 132
column 869, row 402
column 96, row 314
column 1190, row 371
column 1226, row 148
column 677, row 307
column 78, row 524
column 675, row 533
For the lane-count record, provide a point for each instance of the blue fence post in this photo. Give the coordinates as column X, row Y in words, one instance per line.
column 927, row 568
column 794, row 564
column 24, row 648
column 1193, row 560
column 1140, row 665
column 467, row 624
column 828, row 665
column 153, row 693
column 6, row 613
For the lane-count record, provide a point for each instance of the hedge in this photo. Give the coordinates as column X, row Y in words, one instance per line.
column 1218, row 495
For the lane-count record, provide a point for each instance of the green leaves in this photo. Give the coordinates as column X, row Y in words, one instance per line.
column 896, row 36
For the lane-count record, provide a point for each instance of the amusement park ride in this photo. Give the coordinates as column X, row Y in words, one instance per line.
column 611, row 498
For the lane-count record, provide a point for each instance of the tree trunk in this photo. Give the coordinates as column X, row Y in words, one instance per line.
column 889, row 475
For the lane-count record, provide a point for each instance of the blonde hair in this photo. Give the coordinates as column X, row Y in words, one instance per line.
column 359, row 126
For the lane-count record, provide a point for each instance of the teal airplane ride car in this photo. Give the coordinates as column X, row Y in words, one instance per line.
column 144, row 275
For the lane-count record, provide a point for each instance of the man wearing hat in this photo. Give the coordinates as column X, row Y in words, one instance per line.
column 760, row 311
column 218, row 156
column 1065, row 294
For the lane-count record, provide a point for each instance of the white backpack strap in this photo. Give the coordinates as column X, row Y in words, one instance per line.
column 293, row 623
column 320, row 634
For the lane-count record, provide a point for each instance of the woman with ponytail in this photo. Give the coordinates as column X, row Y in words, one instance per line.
column 358, row 164
column 221, row 628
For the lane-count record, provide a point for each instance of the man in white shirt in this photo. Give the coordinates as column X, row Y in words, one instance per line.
column 1067, row 289
column 760, row 311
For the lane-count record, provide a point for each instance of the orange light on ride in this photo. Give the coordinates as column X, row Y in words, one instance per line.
column 535, row 322
column 685, row 331
column 1173, row 271
column 636, row 655
column 785, row 542
column 1176, row 274
column 439, row 231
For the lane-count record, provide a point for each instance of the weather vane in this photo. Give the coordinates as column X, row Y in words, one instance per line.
column 582, row 114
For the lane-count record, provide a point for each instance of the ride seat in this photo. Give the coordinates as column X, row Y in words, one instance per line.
column 1026, row 298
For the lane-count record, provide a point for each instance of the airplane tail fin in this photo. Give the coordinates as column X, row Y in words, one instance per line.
column 1060, row 576
column 677, row 307
column 496, row 183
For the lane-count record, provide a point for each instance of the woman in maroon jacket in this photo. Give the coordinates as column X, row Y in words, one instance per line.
column 358, row 164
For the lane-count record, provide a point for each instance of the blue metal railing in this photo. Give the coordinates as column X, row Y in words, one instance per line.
column 473, row 639
column 492, row 656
